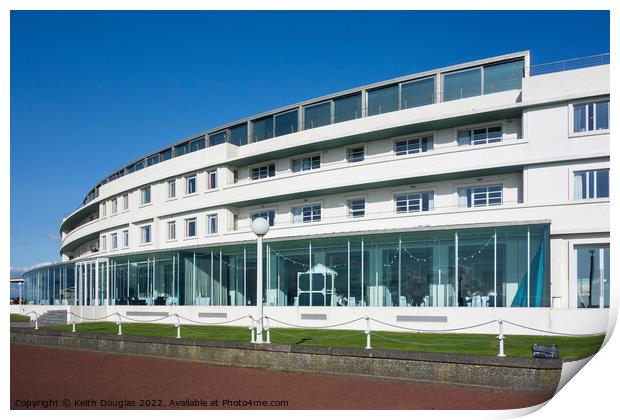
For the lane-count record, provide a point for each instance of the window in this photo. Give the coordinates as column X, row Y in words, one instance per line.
column 114, row 205
column 286, row 123
column 261, row 172
column 212, row 179
column 592, row 276
column 104, row 242
column 356, row 207
column 417, row 145
column 307, row 214
column 152, row 160
column 490, row 195
column 126, row 202
column 197, row 144
column 102, row 209
column 166, row 154
column 172, row 230
column 383, row 100
column 414, row 202
column 190, row 184
column 269, row 215
column 172, row 188
column 306, row 164
column 355, row 154
column 317, row 115
column 348, row 108
column 239, row 135
column 262, row 128
column 482, row 135
column 125, row 238
column 235, row 176
column 462, row 84
column 181, row 149
column 591, row 116
column 217, row 138
column 503, row 76
column 211, row 224
column 114, row 241
column 145, row 195
column 190, row 227
column 417, row 93
column 146, row 234
column 591, row 184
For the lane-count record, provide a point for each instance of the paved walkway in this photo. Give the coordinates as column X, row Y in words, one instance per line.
column 80, row 379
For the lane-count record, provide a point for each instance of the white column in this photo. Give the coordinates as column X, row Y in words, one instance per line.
column 259, row 289
column 456, row 268
column 528, row 266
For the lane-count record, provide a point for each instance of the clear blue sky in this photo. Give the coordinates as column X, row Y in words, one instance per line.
column 90, row 91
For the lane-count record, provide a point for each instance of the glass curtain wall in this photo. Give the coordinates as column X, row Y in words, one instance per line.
column 486, row 267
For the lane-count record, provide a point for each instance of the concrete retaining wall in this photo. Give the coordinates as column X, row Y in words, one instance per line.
column 534, row 375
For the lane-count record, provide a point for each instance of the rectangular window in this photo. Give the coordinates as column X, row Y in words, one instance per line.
column 211, row 224
column 417, row 93
column 172, row 230
column 355, row 154
column 181, row 149
column 348, row 108
column 286, row 123
column 217, row 138
column 591, row 116
column 503, row 76
column 414, row 202
column 462, row 84
column 306, row 164
column 152, row 160
column 114, row 205
column 269, row 215
column 262, row 128
column 125, row 238
column 212, row 179
column 317, row 115
column 102, row 209
column 239, row 135
column 146, row 234
column 307, row 214
column 593, row 276
column 481, row 135
column 417, row 145
column 197, row 144
column 126, row 202
column 114, row 241
column 235, row 176
column 145, row 195
column 356, row 207
column 190, row 227
column 166, row 154
column 484, row 196
column 383, row 100
column 261, row 172
column 172, row 188
column 591, row 184
column 190, row 184
column 104, row 242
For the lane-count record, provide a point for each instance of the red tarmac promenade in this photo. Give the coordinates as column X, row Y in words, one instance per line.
column 57, row 378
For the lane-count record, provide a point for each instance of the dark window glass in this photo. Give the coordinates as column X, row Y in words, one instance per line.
column 269, row 215
column 286, row 123
column 602, row 183
column 139, row 165
column 317, row 115
column 357, row 207
column 462, row 84
column 504, row 76
column 602, row 115
column 152, row 160
column 383, row 100
column 181, row 149
column 197, row 144
column 355, row 154
column 348, row 108
column 262, row 128
column 239, row 135
column 217, row 138
column 418, row 93
column 166, row 154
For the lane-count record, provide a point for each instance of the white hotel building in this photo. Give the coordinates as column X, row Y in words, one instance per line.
column 472, row 192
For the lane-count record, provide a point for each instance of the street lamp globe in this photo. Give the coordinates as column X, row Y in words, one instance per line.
column 260, row 226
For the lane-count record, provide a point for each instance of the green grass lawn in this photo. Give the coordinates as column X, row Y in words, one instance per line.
column 474, row 344
column 19, row 318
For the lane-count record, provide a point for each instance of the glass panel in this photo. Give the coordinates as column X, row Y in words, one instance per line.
column 383, row 100
column 602, row 184
column 317, row 115
column 166, row 154
column 464, row 137
column 501, row 77
column 590, row 117
column 462, row 84
column 239, row 135
column 588, row 277
column 217, row 138
column 606, row 276
column 355, row 154
column 286, row 123
column 602, row 115
column 579, row 118
column 348, row 108
column 152, row 160
column 181, row 149
column 418, row 93
column 580, row 185
column 197, row 144
column 262, row 128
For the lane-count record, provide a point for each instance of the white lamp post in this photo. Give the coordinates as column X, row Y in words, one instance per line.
column 260, row 226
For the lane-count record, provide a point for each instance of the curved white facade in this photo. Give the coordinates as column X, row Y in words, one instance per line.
column 505, row 159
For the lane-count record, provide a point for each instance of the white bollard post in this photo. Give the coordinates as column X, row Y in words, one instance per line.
column 267, row 330
column 72, row 322
column 178, row 326
column 252, row 340
column 368, row 347
column 36, row 321
column 120, row 324
column 501, row 338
